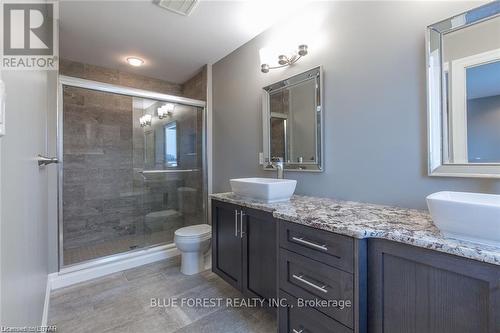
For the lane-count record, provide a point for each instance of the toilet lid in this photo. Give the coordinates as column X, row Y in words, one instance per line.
column 194, row 230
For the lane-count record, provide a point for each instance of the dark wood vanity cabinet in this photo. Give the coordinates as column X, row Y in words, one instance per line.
column 259, row 254
column 415, row 290
column 392, row 287
column 244, row 249
column 316, row 265
column 227, row 260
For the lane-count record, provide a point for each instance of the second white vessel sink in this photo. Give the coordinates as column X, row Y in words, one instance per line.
column 467, row 216
column 264, row 189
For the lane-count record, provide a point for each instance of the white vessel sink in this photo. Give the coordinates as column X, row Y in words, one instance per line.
column 467, row 216
column 264, row 189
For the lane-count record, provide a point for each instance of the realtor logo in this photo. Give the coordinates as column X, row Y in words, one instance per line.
column 29, row 36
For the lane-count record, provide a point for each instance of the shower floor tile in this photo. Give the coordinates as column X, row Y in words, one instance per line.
column 84, row 253
column 121, row 302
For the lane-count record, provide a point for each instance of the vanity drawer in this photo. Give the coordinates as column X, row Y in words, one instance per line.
column 327, row 247
column 295, row 319
column 312, row 280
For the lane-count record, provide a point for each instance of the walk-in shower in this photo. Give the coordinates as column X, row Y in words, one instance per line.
column 132, row 171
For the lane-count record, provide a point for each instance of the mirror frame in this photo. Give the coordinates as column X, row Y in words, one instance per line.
column 435, row 102
column 266, row 116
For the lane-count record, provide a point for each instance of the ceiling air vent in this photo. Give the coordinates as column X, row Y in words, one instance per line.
column 182, row 7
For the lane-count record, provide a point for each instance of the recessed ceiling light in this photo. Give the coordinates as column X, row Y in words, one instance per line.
column 134, row 61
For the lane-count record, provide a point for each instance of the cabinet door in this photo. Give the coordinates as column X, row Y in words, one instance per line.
column 415, row 290
column 259, row 254
column 226, row 246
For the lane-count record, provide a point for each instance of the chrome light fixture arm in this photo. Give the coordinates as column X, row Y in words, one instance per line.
column 285, row 61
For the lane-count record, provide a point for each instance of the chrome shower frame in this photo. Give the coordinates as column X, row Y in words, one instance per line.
column 133, row 92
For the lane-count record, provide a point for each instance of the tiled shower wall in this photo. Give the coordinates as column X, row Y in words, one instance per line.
column 99, row 204
column 103, row 199
column 196, row 87
column 117, row 77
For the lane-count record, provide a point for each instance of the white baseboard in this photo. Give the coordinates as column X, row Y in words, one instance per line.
column 88, row 271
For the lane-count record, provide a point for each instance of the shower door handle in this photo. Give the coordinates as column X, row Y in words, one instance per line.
column 43, row 160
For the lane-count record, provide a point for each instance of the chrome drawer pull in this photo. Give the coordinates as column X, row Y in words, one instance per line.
column 241, row 224
column 235, row 223
column 303, row 241
column 310, row 284
column 295, row 331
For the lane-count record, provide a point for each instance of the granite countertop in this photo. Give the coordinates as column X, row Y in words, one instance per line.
column 363, row 220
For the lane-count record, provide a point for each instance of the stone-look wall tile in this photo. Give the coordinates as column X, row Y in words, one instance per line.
column 73, row 193
column 118, row 77
column 101, row 74
column 97, row 164
column 71, row 68
column 73, row 97
column 196, row 87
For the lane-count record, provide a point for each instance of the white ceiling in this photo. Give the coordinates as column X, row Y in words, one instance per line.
column 173, row 46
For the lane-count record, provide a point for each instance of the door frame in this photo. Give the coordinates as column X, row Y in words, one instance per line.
column 64, row 80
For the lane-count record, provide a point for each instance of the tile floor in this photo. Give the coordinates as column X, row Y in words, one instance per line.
column 121, row 302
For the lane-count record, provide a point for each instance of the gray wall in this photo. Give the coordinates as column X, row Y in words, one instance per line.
column 375, row 105
column 24, row 206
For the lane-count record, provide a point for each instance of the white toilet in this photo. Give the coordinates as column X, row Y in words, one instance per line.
column 193, row 242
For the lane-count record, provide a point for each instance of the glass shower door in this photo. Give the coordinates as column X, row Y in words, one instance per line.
column 169, row 167
column 101, row 207
column 132, row 172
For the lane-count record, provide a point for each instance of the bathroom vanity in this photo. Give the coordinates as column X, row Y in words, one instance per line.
column 244, row 249
column 369, row 268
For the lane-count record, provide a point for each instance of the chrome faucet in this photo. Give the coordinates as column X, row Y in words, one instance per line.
column 277, row 163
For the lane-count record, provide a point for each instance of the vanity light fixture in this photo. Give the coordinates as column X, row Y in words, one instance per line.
column 145, row 120
column 134, row 61
column 284, row 60
column 166, row 110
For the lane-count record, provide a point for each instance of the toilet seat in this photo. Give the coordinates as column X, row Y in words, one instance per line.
column 198, row 231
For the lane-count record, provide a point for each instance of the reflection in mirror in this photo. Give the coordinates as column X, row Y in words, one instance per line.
column 483, row 113
column 470, row 66
column 172, row 139
column 170, row 131
column 293, row 111
column 463, row 55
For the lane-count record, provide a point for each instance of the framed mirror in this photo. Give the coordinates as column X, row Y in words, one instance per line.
column 292, row 122
column 463, row 94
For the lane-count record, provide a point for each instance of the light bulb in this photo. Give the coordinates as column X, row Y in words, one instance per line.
column 134, row 61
